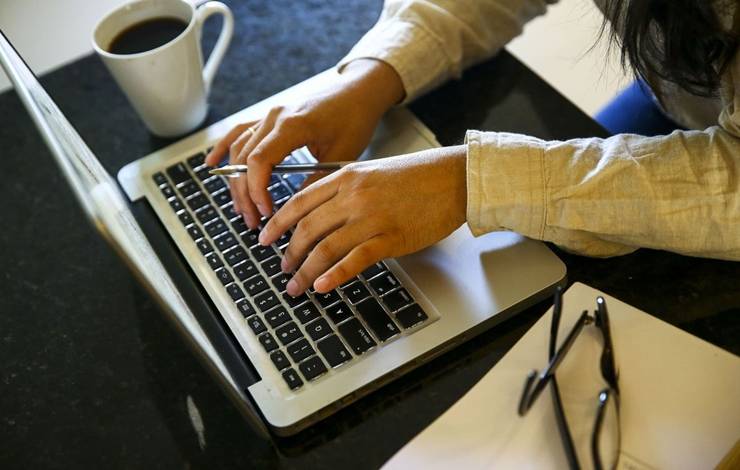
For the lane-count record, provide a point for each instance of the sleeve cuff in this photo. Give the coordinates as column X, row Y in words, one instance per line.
column 409, row 49
column 506, row 179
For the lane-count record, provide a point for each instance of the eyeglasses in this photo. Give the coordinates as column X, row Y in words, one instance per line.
column 605, row 438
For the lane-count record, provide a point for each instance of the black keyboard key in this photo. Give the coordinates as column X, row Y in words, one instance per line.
column 411, row 316
column 328, row 298
column 279, row 191
column 277, row 317
column 167, row 191
column 318, row 329
column 256, row 324
column 245, row 308
column 225, row 242
column 280, row 360
column 373, row 270
column 235, row 256
column 397, row 300
column 288, row 333
column 228, row 212
column 176, row 204
column 204, row 173
column 295, row 301
column 239, row 225
column 284, row 239
column 206, row 214
column 250, row 238
column 235, row 292
column 312, row 368
column 204, row 246
column 280, row 281
column 189, row 188
column 268, row 342
column 216, row 184
column 356, row 292
column 194, row 232
column 274, row 179
column 271, row 266
column 245, row 270
column 197, row 201
column 266, row 301
column 255, row 285
column 333, row 351
column 214, row 261
column 216, row 228
column 295, row 181
column 300, row 350
column 306, row 312
column 292, row 378
column 222, row 198
column 261, row 253
column 384, row 283
column 376, row 318
column 224, row 276
column 197, row 160
column 339, row 312
column 356, row 336
column 185, row 218
column 159, row 178
column 178, row 173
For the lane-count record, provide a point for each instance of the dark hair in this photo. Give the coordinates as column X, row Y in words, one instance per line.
column 680, row 41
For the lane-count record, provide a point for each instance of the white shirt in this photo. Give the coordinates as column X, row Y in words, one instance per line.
column 599, row 197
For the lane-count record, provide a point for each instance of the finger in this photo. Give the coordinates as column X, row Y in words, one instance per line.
column 312, row 228
column 218, row 151
column 239, row 186
column 357, row 260
column 324, row 255
column 297, row 207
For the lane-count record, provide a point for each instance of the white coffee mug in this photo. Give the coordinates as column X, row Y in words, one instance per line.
column 168, row 85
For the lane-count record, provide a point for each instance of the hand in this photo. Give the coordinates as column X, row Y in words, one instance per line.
column 369, row 211
column 336, row 124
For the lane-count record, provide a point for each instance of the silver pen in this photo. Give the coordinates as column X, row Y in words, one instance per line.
column 233, row 171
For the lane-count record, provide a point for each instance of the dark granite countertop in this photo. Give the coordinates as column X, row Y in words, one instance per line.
column 91, row 374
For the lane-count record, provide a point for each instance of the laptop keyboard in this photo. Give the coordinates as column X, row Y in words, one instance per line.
column 312, row 332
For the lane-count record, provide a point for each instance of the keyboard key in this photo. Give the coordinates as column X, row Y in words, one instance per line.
column 214, row 261
column 266, row 301
column 178, row 173
column 261, row 253
column 295, row 181
column 277, row 316
column 373, row 270
column 235, row 292
column 333, row 351
column 274, row 179
column 356, row 292
column 167, row 191
column 245, row 308
column 224, row 276
column 292, row 378
column 245, row 270
column 268, row 342
column 280, row 360
column 279, row 191
column 194, row 232
column 306, row 312
column 197, row 201
column 216, row 184
column 312, row 368
column 356, row 336
column 197, row 160
column 176, row 204
column 204, row 173
column 189, row 188
column 228, row 212
column 185, row 218
column 295, row 301
column 288, row 333
column 271, row 266
column 327, row 299
column 284, row 239
column 318, row 329
column 250, row 238
column 411, row 316
column 339, row 312
column 239, row 225
column 397, row 300
column 256, row 324
column 204, row 246
column 376, row 318
column 225, row 242
column 159, row 178
column 216, row 228
column 255, row 285
column 222, row 198
column 280, row 281
column 206, row 214
column 384, row 283
column 235, row 255
column 300, row 350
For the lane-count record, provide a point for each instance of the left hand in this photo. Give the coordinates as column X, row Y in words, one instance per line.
column 369, row 211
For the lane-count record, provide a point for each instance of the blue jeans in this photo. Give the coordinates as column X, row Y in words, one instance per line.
column 634, row 111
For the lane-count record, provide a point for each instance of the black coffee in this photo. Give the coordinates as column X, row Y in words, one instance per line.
column 147, row 35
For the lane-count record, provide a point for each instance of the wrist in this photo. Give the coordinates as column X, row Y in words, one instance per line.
column 376, row 83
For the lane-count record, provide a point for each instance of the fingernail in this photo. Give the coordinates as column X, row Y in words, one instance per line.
column 262, row 238
column 292, row 288
column 322, row 284
column 285, row 265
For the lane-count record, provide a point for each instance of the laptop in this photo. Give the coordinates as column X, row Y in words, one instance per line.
column 286, row 362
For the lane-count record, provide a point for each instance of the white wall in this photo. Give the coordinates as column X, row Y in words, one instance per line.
column 50, row 33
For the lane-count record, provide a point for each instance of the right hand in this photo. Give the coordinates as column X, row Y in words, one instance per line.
column 335, row 124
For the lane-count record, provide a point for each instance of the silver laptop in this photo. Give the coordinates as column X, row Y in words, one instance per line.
column 286, row 362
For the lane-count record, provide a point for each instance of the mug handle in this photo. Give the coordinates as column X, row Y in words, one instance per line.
column 222, row 43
